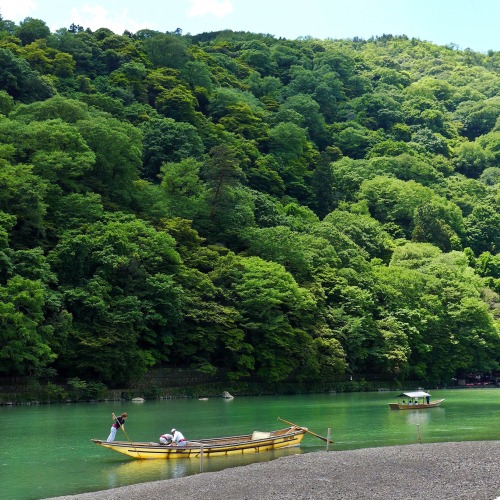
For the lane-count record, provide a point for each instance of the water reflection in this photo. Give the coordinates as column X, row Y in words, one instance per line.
column 415, row 417
column 149, row 470
column 137, row 471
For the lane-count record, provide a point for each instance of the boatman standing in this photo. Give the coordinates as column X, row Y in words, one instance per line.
column 118, row 422
column 177, row 438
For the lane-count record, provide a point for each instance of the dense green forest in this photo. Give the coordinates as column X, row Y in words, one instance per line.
column 259, row 208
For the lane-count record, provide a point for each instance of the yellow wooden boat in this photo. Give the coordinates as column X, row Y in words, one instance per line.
column 233, row 445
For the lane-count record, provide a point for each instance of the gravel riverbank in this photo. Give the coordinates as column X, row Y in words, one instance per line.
column 467, row 470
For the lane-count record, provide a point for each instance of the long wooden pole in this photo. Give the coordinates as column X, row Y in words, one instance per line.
column 306, row 430
column 125, row 432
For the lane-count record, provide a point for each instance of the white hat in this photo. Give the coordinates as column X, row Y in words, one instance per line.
column 172, row 431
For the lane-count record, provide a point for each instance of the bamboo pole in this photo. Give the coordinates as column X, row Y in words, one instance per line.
column 306, row 430
column 123, row 429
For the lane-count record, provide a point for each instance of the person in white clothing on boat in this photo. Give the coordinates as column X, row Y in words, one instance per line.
column 166, row 439
column 178, row 438
column 117, row 423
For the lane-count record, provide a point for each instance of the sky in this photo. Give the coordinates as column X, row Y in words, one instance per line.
column 472, row 24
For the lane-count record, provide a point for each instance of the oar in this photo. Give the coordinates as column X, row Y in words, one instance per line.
column 307, row 430
column 123, row 429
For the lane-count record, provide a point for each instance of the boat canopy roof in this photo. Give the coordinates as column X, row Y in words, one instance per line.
column 413, row 394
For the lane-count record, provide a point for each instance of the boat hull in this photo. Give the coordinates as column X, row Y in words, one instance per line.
column 235, row 445
column 419, row 406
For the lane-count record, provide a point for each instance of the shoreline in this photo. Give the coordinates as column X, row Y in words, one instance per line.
column 464, row 470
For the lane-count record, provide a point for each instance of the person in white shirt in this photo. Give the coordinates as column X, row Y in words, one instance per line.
column 178, row 438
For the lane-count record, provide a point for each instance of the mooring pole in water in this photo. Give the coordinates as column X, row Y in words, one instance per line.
column 328, row 436
column 418, row 434
column 201, row 458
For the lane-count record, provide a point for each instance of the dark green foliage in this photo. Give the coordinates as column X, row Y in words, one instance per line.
column 20, row 81
column 166, row 140
column 255, row 208
column 31, row 29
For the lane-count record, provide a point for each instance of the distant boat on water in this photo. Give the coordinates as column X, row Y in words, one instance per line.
column 414, row 400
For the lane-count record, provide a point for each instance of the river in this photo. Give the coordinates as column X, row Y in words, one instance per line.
column 46, row 449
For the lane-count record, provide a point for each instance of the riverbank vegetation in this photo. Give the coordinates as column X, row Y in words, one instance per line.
column 253, row 208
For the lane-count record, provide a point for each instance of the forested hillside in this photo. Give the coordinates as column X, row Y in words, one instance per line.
column 232, row 202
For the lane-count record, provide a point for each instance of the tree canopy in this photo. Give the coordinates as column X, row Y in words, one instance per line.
column 267, row 209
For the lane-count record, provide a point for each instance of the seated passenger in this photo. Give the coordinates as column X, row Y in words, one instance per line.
column 166, row 439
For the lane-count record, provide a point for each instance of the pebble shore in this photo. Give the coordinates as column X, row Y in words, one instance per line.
column 466, row 470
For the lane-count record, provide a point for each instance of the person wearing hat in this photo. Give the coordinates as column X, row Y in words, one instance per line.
column 177, row 438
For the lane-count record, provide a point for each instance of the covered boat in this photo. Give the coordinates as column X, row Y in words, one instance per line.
column 414, row 400
column 251, row 443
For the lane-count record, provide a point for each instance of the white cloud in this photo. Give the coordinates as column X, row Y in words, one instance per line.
column 17, row 11
column 214, row 7
column 96, row 16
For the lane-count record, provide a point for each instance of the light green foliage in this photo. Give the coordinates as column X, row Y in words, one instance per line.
column 57, row 107
column 414, row 255
column 287, row 141
column 392, row 200
column 117, row 149
column 478, row 117
column 183, row 186
column 300, row 254
column 177, row 103
column 470, row 159
column 365, row 231
column 483, row 228
column 490, row 176
column 224, row 98
column 257, row 55
column 241, row 119
column 274, row 312
column 447, row 289
column 439, row 222
column 406, row 167
column 58, row 153
column 491, row 144
column 311, row 118
column 197, row 74
column 465, row 192
column 22, row 195
column 6, row 103
column 355, row 140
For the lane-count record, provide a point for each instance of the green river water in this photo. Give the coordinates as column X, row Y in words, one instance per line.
column 46, row 449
